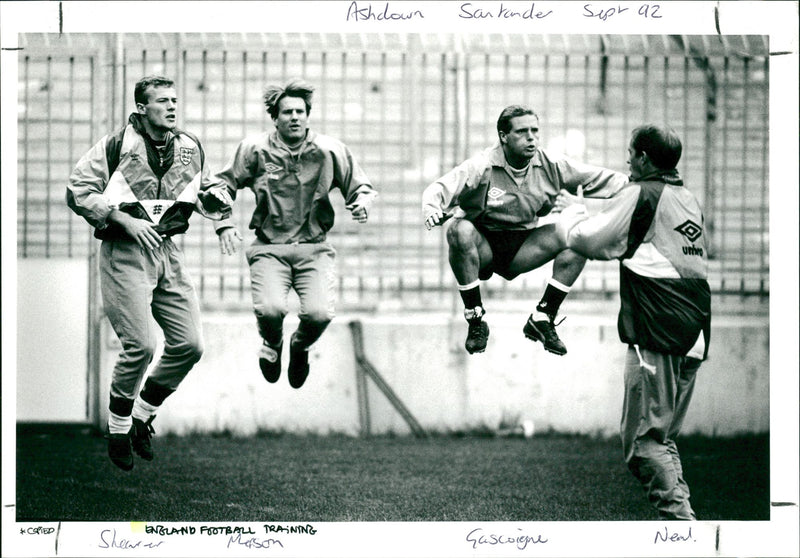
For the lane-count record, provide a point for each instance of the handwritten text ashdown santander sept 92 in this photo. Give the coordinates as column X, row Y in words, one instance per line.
column 602, row 11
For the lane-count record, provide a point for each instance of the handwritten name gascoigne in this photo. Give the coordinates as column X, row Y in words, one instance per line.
column 519, row 539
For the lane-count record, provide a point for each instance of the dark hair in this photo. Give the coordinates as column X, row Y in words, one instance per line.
column 661, row 143
column 140, row 90
column 504, row 122
column 295, row 88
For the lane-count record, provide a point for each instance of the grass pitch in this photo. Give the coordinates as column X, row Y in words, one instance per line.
column 63, row 474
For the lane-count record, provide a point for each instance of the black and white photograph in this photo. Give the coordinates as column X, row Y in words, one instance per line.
column 400, row 278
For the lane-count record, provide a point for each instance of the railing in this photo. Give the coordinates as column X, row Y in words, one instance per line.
column 410, row 107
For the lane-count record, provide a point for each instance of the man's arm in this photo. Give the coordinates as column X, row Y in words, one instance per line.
column 603, row 236
column 359, row 193
column 238, row 173
column 213, row 199
column 597, row 182
column 86, row 193
column 440, row 198
column 87, row 182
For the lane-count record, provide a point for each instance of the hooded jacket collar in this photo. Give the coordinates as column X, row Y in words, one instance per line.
column 670, row 177
column 159, row 159
column 497, row 157
column 135, row 120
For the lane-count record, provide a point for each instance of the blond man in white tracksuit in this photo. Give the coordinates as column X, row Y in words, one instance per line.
column 137, row 188
column 654, row 227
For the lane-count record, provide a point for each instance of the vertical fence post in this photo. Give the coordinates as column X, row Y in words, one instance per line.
column 103, row 75
column 48, row 156
column 362, row 390
column 23, row 249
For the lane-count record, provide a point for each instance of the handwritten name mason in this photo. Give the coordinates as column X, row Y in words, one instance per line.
column 361, row 13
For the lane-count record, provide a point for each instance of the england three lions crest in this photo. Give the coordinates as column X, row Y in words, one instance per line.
column 186, row 154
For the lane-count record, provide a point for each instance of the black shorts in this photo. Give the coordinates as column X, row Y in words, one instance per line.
column 504, row 245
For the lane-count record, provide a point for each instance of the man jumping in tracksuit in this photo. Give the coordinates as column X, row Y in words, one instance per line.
column 138, row 188
column 292, row 171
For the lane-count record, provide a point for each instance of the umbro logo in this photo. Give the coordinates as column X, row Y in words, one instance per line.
column 272, row 168
column 690, row 230
column 495, row 192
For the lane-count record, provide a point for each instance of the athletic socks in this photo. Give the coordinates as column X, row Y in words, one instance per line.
column 142, row 410
column 471, row 294
column 119, row 424
column 554, row 295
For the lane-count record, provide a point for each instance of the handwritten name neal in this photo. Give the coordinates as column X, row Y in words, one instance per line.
column 360, row 13
column 469, row 11
column 519, row 540
column 674, row 537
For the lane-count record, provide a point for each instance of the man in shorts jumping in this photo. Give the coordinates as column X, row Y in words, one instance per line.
column 496, row 199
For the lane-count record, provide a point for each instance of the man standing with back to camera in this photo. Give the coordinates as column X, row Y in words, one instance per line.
column 655, row 228
column 496, row 199
column 291, row 172
column 137, row 188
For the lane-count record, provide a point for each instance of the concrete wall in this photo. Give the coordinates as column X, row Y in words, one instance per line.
column 421, row 356
column 51, row 334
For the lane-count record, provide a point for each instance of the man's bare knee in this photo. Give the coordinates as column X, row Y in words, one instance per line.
column 567, row 266
column 570, row 258
column 461, row 234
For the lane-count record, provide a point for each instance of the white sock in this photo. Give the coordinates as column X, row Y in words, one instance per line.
column 559, row 285
column 475, row 283
column 142, row 410
column 118, row 424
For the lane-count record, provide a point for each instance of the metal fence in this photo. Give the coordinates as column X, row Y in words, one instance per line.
column 410, row 107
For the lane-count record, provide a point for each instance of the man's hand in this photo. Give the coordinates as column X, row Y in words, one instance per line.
column 436, row 219
column 565, row 199
column 359, row 211
column 568, row 218
column 141, row 231
column 228, row 240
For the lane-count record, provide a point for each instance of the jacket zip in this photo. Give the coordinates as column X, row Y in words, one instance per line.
column 160, row 165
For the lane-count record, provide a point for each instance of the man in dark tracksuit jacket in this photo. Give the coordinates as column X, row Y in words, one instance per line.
column 138, row 188
column 654, row 227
